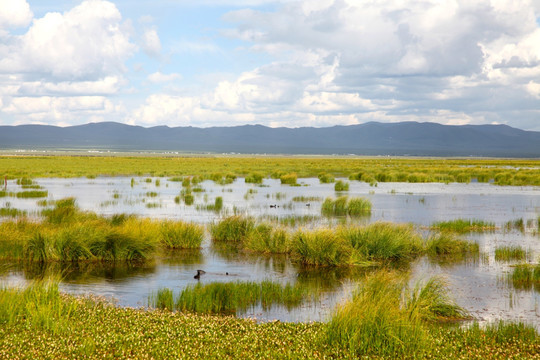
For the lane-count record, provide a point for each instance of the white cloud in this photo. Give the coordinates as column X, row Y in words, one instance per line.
column 159, row 77
column 14, row 13
column 87, row 42
column 150, row 42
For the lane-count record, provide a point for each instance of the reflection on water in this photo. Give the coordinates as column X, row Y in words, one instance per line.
column 478, row 283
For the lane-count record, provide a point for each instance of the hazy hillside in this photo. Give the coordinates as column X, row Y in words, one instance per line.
column 406, row 138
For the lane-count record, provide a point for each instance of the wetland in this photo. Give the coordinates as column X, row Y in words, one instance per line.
column 293, row 245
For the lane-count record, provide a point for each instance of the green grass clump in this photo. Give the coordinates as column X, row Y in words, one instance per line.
column 326, row 178
column 216, row 206
column 266, row 238
column 24, row 181
column 321, row 247
column 386, row 319
column 32, row 194
column 380, row 242
column 3, row 193
column 509, row 253
column 306, row 198
column 289, row 179
column 8, row 211
column 448, row 245
column 525, row 275
column 341, row 185
column 517, row 224
column 464, row 225
column 343, row 206
column 180, row 235
column 151, row 194
column 233, row 229
column 254, row 178
column 229, row 298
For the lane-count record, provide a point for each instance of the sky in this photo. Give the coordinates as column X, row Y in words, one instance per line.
column 290, row 63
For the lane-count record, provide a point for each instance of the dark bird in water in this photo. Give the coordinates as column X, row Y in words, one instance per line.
column 273, row 206
column 308, row 204
column 226, row 273
column 199, row 273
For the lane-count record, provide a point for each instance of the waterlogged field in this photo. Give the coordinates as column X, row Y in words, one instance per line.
column 276, row 245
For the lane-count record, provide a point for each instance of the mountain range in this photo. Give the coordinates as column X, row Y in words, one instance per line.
column 373, row 138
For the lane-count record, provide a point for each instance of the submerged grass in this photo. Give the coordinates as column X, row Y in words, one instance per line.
column 464, row 225
column 524, row 276
column 509, row 253
column 229, row 298
column 41, row 323
column 447, row 245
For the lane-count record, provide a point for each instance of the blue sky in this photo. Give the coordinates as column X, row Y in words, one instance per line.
column 277, row 63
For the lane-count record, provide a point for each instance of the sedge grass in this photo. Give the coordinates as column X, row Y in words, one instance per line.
column 229, row 298
column 67, row 234
column 341, row 185
column 320, row 247
column 524, row 276
column 179, row 235
column 509, row 253
column 449, row 245
column 383, row 242
column 32, row 194
column 265, row 238
column 464, row 225
column 386, row 319
column 343, row 206
column 326, row 178
column 233, row 229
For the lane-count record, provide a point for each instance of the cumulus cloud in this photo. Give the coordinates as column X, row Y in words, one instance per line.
column 65, row 63
column 87, row 42
column 15, row 13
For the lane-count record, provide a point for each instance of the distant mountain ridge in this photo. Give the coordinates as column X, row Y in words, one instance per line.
column 373, row 138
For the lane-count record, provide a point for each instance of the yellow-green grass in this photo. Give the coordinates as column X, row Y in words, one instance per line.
column 344, row 206
column 500, row 171
column 341, row 185
column 368, row 245
column 447, row 244
column 509, row 253
column 326, row 178
column 461, row 226
column 8, row 211
column 67, row 234
column 229, row 298
column 42, row 323
column 386, row 318
column 525, row 276
column 380, row 242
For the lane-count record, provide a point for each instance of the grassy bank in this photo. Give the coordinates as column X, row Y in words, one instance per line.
column 49, row 325
column 371, row 170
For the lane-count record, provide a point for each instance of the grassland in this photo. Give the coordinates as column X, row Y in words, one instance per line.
column 221, row 169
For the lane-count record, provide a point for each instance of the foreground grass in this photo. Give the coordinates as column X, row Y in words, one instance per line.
column 499, row 171
column 50, row 325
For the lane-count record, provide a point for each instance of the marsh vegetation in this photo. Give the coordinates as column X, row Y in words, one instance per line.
column 274, row 244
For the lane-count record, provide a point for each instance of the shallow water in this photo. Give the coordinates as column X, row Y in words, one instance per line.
column 480, row 286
